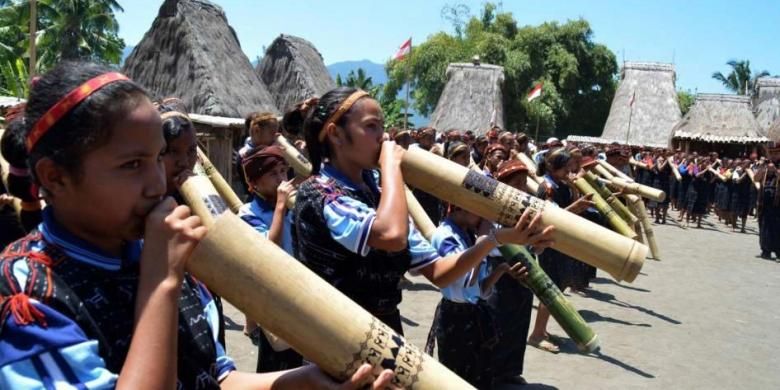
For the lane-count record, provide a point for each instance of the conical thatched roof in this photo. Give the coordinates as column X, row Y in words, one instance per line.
column 293, row 71
column 767, row 102
column 773, row 133
column 720, row 118
column 469, row 98
column 192, row 53
column 655, row 110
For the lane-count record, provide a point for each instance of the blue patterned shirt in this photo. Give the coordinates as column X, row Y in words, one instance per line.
column 60, row 355
column 451, row 239
column 349, row 220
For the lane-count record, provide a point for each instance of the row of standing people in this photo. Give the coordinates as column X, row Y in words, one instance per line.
column 731, row 189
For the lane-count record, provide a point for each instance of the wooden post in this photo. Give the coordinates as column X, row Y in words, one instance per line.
column 33, row 33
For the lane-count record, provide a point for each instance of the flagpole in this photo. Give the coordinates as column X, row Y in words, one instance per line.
column 537, row 130
column 408, row 71
column 33, row 33
column 630, row 114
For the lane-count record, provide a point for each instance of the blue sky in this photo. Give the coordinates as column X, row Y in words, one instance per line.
column 698, row 36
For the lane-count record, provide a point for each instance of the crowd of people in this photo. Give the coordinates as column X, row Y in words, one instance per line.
column 94, row 290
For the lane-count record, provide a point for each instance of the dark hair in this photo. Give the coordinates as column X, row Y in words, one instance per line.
column 316, row 119
column 14, row 151
column 12, row 145
column 85, row 127
column 174, row 126
column 553, row 161
column 292, row 121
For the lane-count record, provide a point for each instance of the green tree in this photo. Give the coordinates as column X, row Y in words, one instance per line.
column 393, row 108
column 66, row 30
column 359, row 80
column 685, row 99
column 740, row 79
column 579, row 75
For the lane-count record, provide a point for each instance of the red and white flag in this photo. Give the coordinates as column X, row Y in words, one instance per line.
column 535, row 93
column 403, row 50
column 633, row 97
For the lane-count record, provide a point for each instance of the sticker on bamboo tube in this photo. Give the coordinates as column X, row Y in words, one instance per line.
column 214, row 204
column 513, row 203
column 386, row 350
column 479, row 183
column 302, row 159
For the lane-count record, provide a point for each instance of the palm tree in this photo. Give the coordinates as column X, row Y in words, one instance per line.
column 67, row 30
column 359, row 80
column 79, row 29
column 740, row 79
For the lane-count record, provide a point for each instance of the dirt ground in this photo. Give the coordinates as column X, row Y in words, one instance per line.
column 706, row 316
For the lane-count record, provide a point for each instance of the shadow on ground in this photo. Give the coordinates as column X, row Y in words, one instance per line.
column 591, row 316
column 610, row 281
column 609, row 298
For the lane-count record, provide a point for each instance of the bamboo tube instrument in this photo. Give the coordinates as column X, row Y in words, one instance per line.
column 611, row 199
column 219, row 182
column 614, row 220
column 617, row 255
column 531, row 165
column 606, row 169
column 532, row 185
column 648, row 228
column 752, row 177
column 632, row 187
column 295, row 304
column 551, row 296
column 299, row 163
column 675, row 171
column 302, row 167
column 611, row 170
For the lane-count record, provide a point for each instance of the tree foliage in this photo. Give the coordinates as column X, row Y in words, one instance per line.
column 393, row 108
column 66, row 30
column 685, row 99
column 740, row 79
column 579, row 75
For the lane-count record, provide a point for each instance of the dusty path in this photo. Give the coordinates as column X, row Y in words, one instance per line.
column 706, row 316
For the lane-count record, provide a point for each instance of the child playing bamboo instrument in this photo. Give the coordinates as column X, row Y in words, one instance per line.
column 84, row 301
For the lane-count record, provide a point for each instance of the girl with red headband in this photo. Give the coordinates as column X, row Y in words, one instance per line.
column 361, row 239
column 84, row 301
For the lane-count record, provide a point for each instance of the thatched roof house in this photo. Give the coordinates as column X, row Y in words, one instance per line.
column 293, row 70
column 608, row 141
column 192, row 53
column 716, row 118
column 472, row 93
column 655, row 109
column 767, row 101
column 773, row 133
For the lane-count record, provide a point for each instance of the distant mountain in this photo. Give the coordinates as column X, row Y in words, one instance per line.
column 378, row 76
column 373, row 70
column 126, row 53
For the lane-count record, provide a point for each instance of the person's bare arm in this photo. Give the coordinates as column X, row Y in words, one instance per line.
column 390, row 229
column 171, row 235
column 527, row 231
column 276, row 230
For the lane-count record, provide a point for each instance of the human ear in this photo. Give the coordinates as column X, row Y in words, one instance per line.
column 52, row 177
column 334, row 134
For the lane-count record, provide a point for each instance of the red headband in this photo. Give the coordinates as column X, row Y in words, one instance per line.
column 67, row 103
